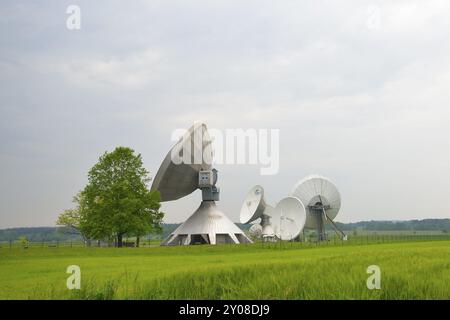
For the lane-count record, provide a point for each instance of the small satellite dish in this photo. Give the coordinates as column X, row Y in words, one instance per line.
column 187, row 167
column 284, row 222
column 254, row 205
column 254, row 208
column 322, row 201
column 255, row 230
column 288, row 218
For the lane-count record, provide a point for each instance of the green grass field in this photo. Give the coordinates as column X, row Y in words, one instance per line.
column 409, row 270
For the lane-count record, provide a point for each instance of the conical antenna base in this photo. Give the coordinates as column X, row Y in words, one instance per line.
column 207, row 225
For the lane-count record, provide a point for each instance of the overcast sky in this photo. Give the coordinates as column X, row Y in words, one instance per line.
column 359, row 91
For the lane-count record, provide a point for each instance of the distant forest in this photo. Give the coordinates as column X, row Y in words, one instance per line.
column 411, row 225
column 62, row 234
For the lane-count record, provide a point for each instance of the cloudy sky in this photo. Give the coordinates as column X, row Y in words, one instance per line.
column 359, row 91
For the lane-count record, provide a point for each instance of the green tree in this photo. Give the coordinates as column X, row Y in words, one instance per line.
column 71, row 218
column 116, row 201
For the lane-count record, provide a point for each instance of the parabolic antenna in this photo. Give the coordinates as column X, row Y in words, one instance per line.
column 254, row 208
column 288, row 218
column 322, row 202
column 255, row 230
column 178, row 174
column 187, row 167
column 254, row 205
column 284, row 222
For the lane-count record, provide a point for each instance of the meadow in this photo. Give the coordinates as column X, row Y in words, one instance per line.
column 409, row 270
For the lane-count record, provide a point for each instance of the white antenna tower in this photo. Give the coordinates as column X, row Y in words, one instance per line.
column 174, row 180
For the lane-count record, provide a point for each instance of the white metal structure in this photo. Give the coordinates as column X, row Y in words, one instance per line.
column 322, row 201
column 187, row 167
column 207, row 225
column 284, row 222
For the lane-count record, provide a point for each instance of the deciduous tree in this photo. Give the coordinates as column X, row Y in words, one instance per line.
column 117, row 201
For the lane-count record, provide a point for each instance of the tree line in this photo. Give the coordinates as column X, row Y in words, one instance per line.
column 63, row 233
column 442, row 225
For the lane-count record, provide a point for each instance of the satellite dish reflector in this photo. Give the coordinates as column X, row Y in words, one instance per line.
column 254, row 205
column 322, row 201
column 254, row 208
column 288, row 218
column 255, row 230
column 316, row 191
column 177, row 176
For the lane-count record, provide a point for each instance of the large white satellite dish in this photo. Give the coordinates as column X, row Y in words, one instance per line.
column 284, row 222
column 177, row 176
column 322, row 201
column 187, row 167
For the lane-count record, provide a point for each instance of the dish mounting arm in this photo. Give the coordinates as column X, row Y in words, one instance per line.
column 336, row 229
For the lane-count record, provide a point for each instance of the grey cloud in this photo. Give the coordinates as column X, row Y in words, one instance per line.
column 366, row 107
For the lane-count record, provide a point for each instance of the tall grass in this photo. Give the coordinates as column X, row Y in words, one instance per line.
column 417, row 270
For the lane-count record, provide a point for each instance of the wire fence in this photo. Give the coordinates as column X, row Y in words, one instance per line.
column 355, row 240
column 10, row 244
column 299, row 242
